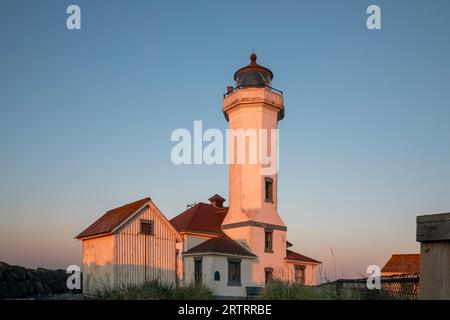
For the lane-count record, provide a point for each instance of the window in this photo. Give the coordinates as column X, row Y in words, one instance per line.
column 147, row 227
column 217, row 276
column 268, row 189
column 268, row 274
column 268, row 241
column 198, row 271
column 253, row 79
column 177, row 280
column 234, row 272
column 300, row 274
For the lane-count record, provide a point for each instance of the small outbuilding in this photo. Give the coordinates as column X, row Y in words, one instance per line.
column 129, row 245
column 400, row 264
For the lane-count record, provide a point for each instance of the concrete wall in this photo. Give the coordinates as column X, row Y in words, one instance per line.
column 251, row 109
column 433, row 231
column 435, row 270
column 254, row 109
column 213, row 263
column 253, row 238
column 191, row 241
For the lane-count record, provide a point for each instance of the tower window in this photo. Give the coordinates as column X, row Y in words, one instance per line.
column 147, row 227
column 268, row 189
column 234, row 272
column 268, row 274
column 268, row 240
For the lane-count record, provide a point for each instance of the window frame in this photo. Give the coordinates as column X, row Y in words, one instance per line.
column 268, row 271
column 268, row 242
column 148, row 222
column 268, row 192
column 302, row 269
column 198, row 274
column 238, row 270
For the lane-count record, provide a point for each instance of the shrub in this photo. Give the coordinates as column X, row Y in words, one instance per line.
column 154, row 290
column 280, row 290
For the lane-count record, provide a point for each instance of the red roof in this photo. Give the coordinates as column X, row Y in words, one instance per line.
column 291, row 255
column 253, row 66
column 201, row 218
column 112, row 219
column 216, row 197
column 403, row 263
column 222, row 244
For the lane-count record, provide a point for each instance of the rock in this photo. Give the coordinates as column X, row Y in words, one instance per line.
column 20, row 282
column 17, row 290
column 47, row 289
column 3, row 290
column 22, row 288
column 20, row 273
column 29, row 286
column 10, row 279
column 4, row 266
column 14, row 276
column 38, row 287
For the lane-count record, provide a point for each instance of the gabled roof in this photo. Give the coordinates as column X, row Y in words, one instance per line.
column 403, row 263
column 201, row 218
column 112, row 219
column 294, row 256
column 223, row 245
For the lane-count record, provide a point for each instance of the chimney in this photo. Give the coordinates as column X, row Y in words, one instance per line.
column 216, row 201
column 229, row 89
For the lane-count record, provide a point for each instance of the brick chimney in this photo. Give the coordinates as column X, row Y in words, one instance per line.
column 216, row 201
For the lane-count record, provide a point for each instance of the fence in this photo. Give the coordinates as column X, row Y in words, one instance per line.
column 395, row 287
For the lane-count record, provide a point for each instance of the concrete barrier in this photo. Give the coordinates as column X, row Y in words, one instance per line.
column 433, row 232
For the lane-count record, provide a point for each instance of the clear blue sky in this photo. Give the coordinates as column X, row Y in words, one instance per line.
column 86, row 117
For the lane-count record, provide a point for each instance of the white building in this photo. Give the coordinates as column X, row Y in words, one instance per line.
column 226, row 248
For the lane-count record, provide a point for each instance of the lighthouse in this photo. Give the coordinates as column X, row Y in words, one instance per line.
column 234, row 250
column 253, row 106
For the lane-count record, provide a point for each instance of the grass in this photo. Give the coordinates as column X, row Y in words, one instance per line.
column 155, row 290
column 275, row 290
column 280, row 290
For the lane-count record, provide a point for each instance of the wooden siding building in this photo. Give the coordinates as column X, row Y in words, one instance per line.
column 129, row 245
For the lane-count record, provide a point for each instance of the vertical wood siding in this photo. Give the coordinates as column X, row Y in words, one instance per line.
column 141, row 257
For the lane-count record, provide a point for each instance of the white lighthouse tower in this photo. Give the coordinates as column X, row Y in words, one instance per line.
column 254, row 107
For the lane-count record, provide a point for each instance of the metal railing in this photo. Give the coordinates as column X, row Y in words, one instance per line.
column 256, row 86
column 396, row 287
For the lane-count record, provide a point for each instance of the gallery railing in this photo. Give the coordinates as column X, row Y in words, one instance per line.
column 245, row 87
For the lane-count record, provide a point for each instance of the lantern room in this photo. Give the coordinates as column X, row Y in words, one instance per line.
column 253, row 75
